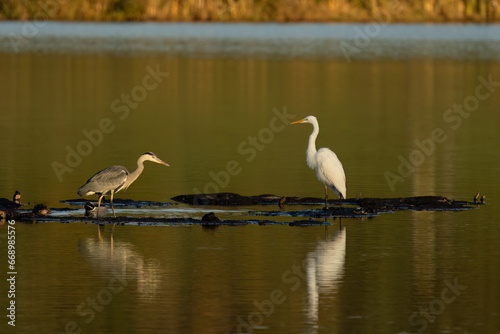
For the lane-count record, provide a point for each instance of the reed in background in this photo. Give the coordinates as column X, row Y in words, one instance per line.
column 252, row 10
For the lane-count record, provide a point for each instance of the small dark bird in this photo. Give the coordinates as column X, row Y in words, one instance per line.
column 14, row 204
column 483, row 198
column 41, row 210
column 8, row 208
column 476, row 197
column 17, row 197
column 92, row 210
column 282, row 201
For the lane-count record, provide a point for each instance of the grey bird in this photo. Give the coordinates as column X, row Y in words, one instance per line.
column 91, row 210
column 115, row 178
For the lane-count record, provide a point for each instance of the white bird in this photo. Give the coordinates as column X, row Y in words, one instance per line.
column 115, row 178
column 324, row 161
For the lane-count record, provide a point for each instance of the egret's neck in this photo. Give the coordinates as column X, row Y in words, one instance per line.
column 311, row 148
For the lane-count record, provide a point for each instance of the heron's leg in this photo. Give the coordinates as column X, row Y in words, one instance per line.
column 99, row 205
column 99, row 201
column 112, row 208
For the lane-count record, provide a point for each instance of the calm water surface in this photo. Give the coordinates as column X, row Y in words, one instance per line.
column 64, row 116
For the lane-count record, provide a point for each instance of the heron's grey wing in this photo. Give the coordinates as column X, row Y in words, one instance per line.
column 106, row 180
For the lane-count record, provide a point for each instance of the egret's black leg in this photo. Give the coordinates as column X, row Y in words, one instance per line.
column 326, row 201
column 326, row 198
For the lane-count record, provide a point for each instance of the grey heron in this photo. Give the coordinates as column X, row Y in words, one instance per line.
column 115, row 178
column 328, row 167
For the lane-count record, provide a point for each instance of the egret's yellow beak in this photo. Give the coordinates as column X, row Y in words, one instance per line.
column 296, row 122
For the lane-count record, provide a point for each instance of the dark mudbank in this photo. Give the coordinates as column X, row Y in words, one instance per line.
column 120, row 203
column 369, row 205
column 349, row 208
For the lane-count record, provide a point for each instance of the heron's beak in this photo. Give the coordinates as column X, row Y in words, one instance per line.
column 296, row 122
column 162, row 162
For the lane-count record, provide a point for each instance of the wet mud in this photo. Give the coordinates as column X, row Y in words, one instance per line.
column 356, row 208
column 369, row 205
column 121, row 203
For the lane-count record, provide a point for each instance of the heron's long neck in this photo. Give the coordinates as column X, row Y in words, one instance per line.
column 135, row 174
column 311, row 148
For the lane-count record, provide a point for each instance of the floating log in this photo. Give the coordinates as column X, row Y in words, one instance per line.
column 227, row 199
column 368, row 205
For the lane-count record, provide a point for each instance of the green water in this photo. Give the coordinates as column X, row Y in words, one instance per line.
column 222, row 125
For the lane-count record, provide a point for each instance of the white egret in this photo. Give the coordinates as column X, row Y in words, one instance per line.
column 115, row 178
column 324, row 161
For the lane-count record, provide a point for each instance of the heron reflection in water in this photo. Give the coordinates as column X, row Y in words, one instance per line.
column 120, row 263
column 115, row 178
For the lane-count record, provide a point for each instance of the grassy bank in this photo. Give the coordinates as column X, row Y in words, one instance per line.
column 254, row 10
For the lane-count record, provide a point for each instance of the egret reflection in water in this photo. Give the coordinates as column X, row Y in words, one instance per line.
column 325, row 270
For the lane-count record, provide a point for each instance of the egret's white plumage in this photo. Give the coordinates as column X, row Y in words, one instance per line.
column 325, row 162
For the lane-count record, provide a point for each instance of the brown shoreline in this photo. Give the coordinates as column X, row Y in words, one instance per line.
column 425, row 11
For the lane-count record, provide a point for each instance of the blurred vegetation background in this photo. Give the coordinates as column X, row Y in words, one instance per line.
column 253, row 10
